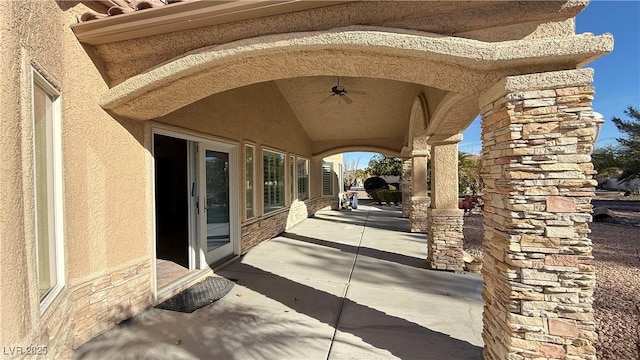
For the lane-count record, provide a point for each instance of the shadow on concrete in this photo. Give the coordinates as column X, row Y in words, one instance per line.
column 204, row 334
column 400, row 337
column 379, row 220
column 283, row 318
column 364, row 251
column 220, row 332
column 384, row 269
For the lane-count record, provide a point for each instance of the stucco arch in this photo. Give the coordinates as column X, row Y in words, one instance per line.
column 453, row 64
column 419, row 119
column 452, row 115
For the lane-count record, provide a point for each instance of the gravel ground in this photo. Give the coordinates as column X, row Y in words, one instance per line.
column 616, row 251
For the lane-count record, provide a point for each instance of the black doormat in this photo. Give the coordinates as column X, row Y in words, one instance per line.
column 199, row 295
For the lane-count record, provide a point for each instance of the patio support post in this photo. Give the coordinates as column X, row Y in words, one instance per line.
column 444, row 219
column 406, row 187
column 538, row 132
column 419, row 197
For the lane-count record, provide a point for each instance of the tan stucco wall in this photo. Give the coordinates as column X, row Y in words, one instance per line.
column 444, row 175
column 259, row 114
column 19, row 312
column 255, row 115
column 107, row 184
column 106, row 204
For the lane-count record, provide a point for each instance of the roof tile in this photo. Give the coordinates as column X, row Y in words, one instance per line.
column 119, row 7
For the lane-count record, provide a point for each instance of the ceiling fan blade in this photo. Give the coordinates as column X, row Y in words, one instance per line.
column 346, row 99
column 326, row 99
column 356, row 92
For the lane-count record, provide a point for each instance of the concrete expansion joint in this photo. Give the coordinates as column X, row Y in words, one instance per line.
column 348, row 284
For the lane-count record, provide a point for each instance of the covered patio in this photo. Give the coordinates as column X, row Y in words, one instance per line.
column 420, row 72
column 345, row 284
column 153, row 113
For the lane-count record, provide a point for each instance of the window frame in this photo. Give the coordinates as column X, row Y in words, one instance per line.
column 253, row 181
column 268, row 208
column 53, row 148
column 331, row 172
column 298, row 178
column 293, row 193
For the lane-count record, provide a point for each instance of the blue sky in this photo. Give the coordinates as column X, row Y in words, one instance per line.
column 617, row 75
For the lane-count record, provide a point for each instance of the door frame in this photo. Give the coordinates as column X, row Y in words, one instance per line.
column 234, row 197
column 197, row 260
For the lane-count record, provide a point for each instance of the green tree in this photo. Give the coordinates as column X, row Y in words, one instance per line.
column 469, row 167
column 607, row 161
column 361, row 175
column 630, row 146
column 384, row 165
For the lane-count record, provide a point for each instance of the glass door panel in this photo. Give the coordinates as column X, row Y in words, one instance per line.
column 216, row 210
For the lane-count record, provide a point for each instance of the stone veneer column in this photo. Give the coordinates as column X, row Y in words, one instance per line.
column 406, row 187
column 537, row 134
column 420, row 199
column 445, row 220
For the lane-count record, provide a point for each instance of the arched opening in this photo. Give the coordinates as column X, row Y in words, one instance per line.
column 422, row 90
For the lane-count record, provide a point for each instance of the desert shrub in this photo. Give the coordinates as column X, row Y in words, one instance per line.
column 375, row 195
column 397, row 197
column 375, row 182
column 386, row 196
column 372, row 184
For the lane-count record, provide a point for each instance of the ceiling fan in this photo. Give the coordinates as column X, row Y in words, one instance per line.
column 341, row 92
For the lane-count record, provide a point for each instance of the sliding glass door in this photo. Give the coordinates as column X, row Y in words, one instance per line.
column 217, row 200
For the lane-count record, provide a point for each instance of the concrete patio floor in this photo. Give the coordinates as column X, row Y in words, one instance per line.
column 342, row 285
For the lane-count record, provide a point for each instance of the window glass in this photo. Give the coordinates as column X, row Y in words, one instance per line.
column 303, row 179
column 273, row 176
column 249, row 153
column 43, row 172
column 292, row 178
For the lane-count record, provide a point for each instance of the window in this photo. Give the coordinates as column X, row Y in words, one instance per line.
column 47, row 179
column 303, row 179
column 327, row 178
column 292, row 178
column 273, row 176
column 249, row 153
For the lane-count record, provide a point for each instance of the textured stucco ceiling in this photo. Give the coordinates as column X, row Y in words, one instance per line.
column 447, row 63
column 382, row 113
column 483, row 20
column 392, row 50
